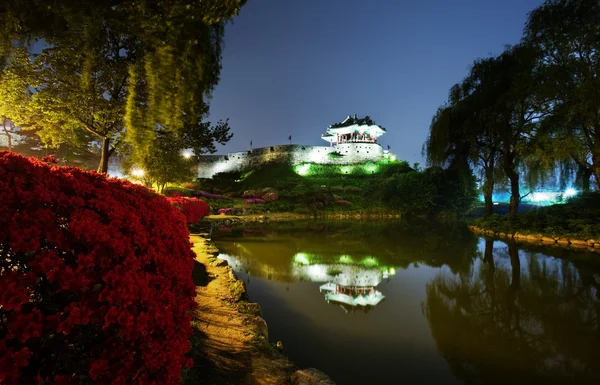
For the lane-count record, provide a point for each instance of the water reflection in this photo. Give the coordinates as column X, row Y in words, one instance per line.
column 457, row 308
column 528, row 317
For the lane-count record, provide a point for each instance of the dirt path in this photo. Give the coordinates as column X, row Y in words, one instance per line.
column 231, row 345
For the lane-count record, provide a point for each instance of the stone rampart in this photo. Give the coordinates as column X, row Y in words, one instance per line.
column 346, row 153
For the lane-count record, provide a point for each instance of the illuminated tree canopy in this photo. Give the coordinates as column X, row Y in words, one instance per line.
column 120, row 69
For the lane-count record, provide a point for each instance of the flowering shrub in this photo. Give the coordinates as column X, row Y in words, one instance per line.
column 250, row 194
column 95, row 279
column 194, row 209
column 253, row 200
column 343, row 203
column 49, row 159
column 226, row 211
column 270, row 196
column 209, row 195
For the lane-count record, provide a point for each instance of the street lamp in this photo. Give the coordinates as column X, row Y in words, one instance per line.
column 138, row 172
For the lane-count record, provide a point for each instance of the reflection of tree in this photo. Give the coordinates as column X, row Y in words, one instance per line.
column 391, row 243
column 514, row 324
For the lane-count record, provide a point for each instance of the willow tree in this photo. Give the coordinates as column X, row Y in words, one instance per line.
column 463, row 133
column 118, row 69
column 567, row 33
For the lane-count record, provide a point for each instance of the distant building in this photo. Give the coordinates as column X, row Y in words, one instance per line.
column 352, row 141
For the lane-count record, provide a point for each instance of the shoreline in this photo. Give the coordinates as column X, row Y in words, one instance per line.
column 542, row 240
column 234, row 336
column 287, row 216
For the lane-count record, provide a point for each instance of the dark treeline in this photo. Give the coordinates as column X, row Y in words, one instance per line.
column 531, row 110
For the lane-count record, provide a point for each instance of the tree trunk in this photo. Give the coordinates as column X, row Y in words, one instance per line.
column 513, row 176
column 488, row 190
column 8, row 136
column 103, row 166
column 584, row 174
column 515, row 195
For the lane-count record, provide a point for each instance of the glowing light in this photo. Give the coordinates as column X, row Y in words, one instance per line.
column 302, row 169
column 570, row 192
column 345, row 259
column 543, row 196
column 370, row 262
column 392, row 271
column 138, row 172
column 187, row 154
column 371, row 168
column 345, row 170
column 302, row 259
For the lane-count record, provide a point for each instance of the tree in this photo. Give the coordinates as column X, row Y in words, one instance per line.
column 521, row 104
column 165, row 161
column 464, row 132
column 491, row 117
column 121, row 68
column 567, row 34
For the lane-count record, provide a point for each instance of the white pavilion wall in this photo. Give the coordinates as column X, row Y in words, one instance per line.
column 352, row 153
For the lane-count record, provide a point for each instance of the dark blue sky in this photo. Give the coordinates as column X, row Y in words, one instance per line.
column 295, row 67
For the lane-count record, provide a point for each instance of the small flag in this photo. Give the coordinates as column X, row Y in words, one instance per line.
column 388, row 146
column 290, row 138
column 251, row 144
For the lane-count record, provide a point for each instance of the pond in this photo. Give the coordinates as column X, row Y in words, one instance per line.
column 412, row 303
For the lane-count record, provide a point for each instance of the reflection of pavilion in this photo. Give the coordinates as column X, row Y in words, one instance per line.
column 351, row 295
column 346, row 284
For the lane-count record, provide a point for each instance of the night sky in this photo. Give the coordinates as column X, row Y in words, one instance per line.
column 295, row 67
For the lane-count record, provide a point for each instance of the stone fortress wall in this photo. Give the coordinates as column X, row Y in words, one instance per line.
column 351, row 153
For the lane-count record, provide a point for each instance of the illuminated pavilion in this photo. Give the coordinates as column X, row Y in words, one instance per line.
column 353, row 130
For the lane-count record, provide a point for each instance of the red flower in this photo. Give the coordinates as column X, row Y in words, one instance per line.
column 97, row 269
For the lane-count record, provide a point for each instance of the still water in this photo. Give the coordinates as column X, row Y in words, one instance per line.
column 397, row 303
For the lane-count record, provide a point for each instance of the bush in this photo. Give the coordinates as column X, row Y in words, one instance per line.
column 194, row 209
column 95, row 279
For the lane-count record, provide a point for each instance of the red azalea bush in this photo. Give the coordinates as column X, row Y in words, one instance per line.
column 343, row 203
column 194, row 209
column 95, row 279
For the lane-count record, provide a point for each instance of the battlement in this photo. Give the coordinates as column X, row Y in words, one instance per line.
column 345, row 153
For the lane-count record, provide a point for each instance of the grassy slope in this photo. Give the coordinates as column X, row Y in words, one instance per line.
column 298, row 193
column 579, row 218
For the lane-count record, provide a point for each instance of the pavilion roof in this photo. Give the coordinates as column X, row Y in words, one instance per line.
column 354, row 120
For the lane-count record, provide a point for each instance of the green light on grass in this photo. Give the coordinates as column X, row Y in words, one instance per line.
column 302, row 169
column 302, row 259
column 371, row 168
column 345, row 170
column 370, row 262
column 345, row 259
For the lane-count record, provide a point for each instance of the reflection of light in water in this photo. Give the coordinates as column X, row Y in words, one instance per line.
column 347, row 275
column 302, row 259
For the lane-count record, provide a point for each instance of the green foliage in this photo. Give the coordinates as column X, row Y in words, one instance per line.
column 578, row 218
column 119, row 70
column 391, row 169
column 410, row 193
column 567, row 35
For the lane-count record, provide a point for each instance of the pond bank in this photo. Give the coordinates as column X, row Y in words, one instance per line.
column 541, row 239
column 232, row 345
column 274, row 217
